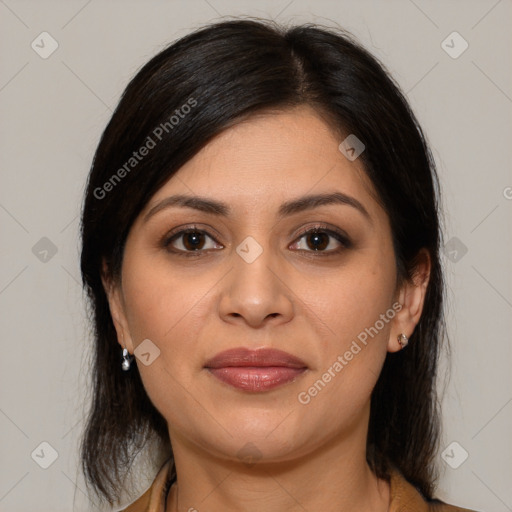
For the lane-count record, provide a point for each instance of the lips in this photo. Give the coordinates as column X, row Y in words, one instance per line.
column 263, row 357
column 255, row 370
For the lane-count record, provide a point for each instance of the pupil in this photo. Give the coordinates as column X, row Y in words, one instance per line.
column 192, row 240
column 318, row 238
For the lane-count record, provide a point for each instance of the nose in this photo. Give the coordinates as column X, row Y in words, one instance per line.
column 256, row 293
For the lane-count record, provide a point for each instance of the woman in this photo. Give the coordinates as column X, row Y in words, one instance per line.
column 261, row 250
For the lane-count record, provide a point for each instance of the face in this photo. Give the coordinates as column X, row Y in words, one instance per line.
column 265, row 269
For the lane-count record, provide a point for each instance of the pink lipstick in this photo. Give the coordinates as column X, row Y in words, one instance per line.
column 255, row 370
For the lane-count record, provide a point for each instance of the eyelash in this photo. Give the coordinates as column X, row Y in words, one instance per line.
column 340, row 236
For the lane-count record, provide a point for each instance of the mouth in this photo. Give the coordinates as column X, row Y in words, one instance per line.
column 255, row 370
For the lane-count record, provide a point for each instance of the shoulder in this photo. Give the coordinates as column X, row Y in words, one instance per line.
column 153, row 500
column 404, row 497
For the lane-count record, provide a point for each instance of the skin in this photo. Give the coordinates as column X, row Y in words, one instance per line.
column 310, row 456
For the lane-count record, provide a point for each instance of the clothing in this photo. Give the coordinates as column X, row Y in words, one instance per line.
column 404, row 497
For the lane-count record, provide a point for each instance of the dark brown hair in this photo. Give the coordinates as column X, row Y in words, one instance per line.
column 232, row 70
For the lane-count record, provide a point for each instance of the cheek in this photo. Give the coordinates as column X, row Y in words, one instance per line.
column 170, row 309
column 164, row 307
column 356, row 296
column 357, row 308
column 352, row 359
column 158, row 301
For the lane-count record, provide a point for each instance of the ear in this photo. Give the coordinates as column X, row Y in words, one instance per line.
column 114, row 294
column 411, row 296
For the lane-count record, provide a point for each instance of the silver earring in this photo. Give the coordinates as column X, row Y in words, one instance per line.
column 403, row 340
column 127, row 360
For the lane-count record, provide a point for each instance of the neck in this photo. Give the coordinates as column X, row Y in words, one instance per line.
column 334, row 477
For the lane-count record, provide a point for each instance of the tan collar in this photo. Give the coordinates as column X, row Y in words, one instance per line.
column 404, row 497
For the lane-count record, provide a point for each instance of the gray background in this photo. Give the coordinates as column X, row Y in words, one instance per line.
column 53, row 111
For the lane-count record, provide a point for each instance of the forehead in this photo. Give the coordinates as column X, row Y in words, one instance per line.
column 270, row 157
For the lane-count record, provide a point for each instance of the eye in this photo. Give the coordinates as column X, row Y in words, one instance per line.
column 190, row 240
column 322, row 240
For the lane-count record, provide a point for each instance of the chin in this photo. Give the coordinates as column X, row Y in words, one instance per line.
column 260, row 443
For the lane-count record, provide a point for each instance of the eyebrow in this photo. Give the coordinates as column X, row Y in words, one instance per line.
column 298, row 205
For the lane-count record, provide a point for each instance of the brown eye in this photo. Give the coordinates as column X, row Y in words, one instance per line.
column 317, row 241
column 193, row 240
column 322, row 241
column 190, row 241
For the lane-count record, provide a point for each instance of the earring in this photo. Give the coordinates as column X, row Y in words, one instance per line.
column 127, row 360
column 403, row 340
